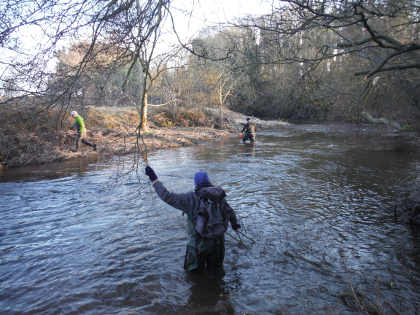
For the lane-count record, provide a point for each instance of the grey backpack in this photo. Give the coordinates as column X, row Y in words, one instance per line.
column 210, row 220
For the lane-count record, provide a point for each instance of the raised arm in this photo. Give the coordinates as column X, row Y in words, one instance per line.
column 184, row 202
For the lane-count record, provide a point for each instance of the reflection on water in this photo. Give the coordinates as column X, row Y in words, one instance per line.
column 315, row 203
column 48, row 171
column 208, row 296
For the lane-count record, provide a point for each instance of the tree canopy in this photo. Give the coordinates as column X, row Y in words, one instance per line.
column 306, row 59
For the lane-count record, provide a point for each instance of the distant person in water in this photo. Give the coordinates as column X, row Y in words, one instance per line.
column 205, row 251
column 79, row 125
column 248, row 132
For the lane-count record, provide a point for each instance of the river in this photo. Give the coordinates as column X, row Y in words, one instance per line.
column 315, row 203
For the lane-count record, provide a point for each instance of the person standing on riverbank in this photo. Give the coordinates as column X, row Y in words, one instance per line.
column 79, row 125
column 203, row 253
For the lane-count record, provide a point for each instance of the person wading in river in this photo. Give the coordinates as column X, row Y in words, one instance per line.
column 205, row 252
column 79, row 125
column 248, row 132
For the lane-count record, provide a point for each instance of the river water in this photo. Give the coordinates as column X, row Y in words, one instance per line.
column 316, row 207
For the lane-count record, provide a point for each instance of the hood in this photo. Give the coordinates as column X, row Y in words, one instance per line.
column 201, row 179
column 213, row 193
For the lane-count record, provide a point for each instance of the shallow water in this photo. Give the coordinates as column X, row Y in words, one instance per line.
column 315, row 202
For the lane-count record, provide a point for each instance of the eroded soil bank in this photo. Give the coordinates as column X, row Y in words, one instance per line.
column 29, row 141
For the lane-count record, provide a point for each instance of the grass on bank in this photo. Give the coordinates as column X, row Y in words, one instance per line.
column 37, row 135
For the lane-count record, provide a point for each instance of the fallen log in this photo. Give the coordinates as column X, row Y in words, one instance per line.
column 382, row 120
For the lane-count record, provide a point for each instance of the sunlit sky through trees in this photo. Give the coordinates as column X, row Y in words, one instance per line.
column 190, row 17
column 193, row 15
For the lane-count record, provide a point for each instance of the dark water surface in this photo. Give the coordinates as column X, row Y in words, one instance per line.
column 316, row 200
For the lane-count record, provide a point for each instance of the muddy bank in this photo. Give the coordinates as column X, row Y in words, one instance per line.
column 27, row 141
column 112, row 142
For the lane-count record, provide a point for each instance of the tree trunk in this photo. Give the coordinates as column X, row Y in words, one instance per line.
column 221, row 106
column 221, row 117
column 143, row 115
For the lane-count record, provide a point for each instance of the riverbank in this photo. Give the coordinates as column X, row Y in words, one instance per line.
column 315, row 203
column 28, row 141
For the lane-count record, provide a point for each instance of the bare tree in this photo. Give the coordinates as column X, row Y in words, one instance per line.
column 383, row 32
column 122, row 27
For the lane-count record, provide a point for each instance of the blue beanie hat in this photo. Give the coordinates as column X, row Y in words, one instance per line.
column 201, row 179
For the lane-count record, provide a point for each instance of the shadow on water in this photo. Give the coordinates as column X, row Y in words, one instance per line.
column 49, row 171
column 208, row 296
column 315, row 202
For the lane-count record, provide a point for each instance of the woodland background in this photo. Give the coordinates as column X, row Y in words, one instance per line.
column 306, row 60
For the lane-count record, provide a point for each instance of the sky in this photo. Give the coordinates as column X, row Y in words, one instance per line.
column 211, row 12
column 191, row 16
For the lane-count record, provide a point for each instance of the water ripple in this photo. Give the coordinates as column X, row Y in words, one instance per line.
column 312, row 201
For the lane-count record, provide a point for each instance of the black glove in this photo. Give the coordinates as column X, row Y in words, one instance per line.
column 151, row 173
column 236, row 226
